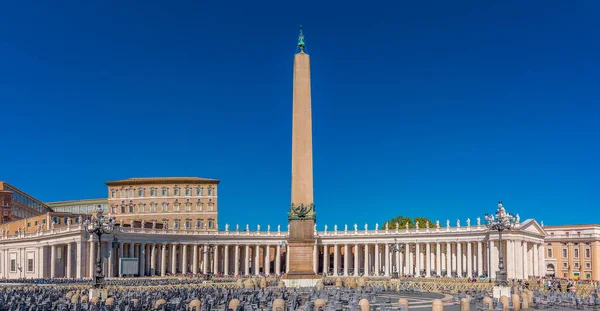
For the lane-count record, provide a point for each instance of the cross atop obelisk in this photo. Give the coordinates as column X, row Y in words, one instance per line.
column 302, row 211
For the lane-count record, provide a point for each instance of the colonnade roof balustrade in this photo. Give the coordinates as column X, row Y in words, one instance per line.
column 528, row 228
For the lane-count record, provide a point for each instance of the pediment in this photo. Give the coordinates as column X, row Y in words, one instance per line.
column 532, row 226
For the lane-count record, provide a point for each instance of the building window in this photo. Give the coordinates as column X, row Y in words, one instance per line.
column 210, row 191
column 153, row 207
column 65, row 220
column 122, row 193
column 176, row 224
column 55, row 220
column 549, row 253
column 35, row 223
column 576, row 265
column 588, row 265
column 131, row 193
column 211, row 224
column 114, row 209
column 199, row 223
column 76, row 220
column 152, row 192
column 29, row 265
column 565, row 265
column 176, row 206
column 165, row 192
column 113, row 193
column 188, row 191
column 13, row 265
column 141, row 192
column 43, row 221
column 199, row 206
column 587, row 253
column 210, row 205
column 565, row 253
column 164, row 207
column 176, row 191
column 199, row 191
column 188, row 223
column 141, row 207
column 576, row 253
column 28, row 225
column 188, row 206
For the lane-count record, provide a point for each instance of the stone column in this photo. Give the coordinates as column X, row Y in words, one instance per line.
column 428, row 259
column 509, row 257
column 459, row 262
column 325, row 259
column 173, row 258
column 479, row 258
column 69, row 266
column 195, row 259
column 345, row 261
column 153, row 259
column 216, row 260
column 525, row 259
column 92, row 263
column 236, row 263
column 110, row 260
column 448, row 258
column 387, row 259
column 257, row 260
column 595, row 250
column 247, row 260
column 542, row 263
column 398, row 260
column 79, row 259
column 315, row 259
column 438, row 258
column 131, row 250
column 226, row 259
column 418, row 259
column 356, row 258
column 336, row 255
column 52, row 261
column 267, row 262
column 121, row 250
column 366, row 261
column 163, row 260
column 536, row 261
column 377, row 264
column 278, row 258
column 408, row 268
column 469, row 259
column 184, row 257
column 142, row 259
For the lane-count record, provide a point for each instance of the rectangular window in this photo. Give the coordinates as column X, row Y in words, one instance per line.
column 588, row 253
column 165, row 192
column 140, row 208
column 122, row 193
column 565, row 265
column 576, row 253
column 176, row 191
column 140, row 192
column 199, row 191
column 565, row 253
column 211, row 223
column 188, row 191
column 177, row 207
column 176, row 225
column 153, row 192
column 188, row 207
column 576, row 265
column 549, row 253
column 199, row 223
column 188, row 224
column 199, row 206
column 588, row 265
column 29, row 265
column 153, row 207
column 13, row 265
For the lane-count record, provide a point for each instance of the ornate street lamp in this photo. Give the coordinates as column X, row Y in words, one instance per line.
column 502, row 221
column 99, row 225
column 395, row 249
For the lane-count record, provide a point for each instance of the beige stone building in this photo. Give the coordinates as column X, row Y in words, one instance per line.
column 573, row 251
column 178, row 202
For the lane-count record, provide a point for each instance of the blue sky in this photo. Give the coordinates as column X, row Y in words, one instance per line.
column 420, row 108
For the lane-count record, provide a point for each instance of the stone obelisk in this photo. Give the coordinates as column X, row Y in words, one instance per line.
column 302, row 214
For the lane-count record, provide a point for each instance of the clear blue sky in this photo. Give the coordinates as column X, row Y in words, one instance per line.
column 421, row 108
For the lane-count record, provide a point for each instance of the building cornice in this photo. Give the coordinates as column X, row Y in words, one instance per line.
column 162, row 180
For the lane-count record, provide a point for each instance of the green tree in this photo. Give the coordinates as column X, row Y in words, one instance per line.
column 402, row 221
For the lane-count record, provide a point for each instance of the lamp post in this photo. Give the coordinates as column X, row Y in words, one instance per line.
column 502, row 221
column 395, row 249
column 99, row 225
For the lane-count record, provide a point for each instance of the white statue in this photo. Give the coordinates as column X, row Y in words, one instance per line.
column 468, row 222
column 355, row 227
column 542, row 223
column 478, row 221
column 406, row 226
column 376, row 226
column 366, row 227
column 386, row 226
column 226, row 227
column 247, row 227
column 237, row 227
column 154, row 225
column 397, row 225
column 288, row 228
column 278, row 228
column 122, row 221
column 437, row 224
column 416, row 224
column 447, row 223
column 258, row 228
column 458, row 222
column 345, row 227
column 518, row 218
column 268, row 228
column 315, row 228
column 427, row 224
column 68, row 221
column 325, row 228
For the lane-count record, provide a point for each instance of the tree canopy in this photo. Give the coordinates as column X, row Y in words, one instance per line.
column 402, row 221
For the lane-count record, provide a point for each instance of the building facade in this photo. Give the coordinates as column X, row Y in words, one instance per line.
column 83, row 207
column 182, row 202
column 18, row 204
column 573, row 251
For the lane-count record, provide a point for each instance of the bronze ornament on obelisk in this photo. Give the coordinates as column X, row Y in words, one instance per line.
column 302, row 214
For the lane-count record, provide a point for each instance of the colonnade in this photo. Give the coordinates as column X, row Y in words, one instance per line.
column 450, row 258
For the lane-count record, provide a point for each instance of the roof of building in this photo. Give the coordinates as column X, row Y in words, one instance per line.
column 8, row 187
column 572, row 226
column 77, row 202
column 162, row 180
